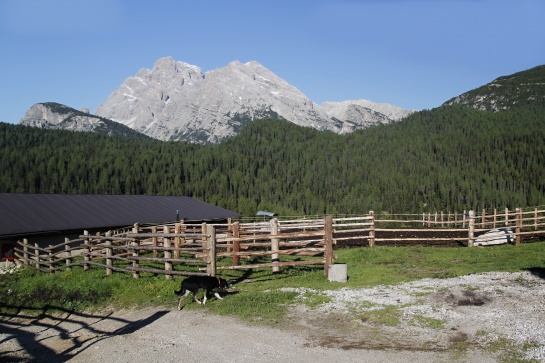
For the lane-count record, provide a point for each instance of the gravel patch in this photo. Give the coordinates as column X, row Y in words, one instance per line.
column 477, row 309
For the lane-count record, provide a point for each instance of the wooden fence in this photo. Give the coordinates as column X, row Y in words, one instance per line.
column 195, row 249
column 189, row 249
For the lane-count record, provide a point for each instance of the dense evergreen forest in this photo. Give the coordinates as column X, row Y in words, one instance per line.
column 447, row 159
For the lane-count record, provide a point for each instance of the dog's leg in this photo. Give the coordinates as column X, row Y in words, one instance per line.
column 218, row 296
column 204, row 299
column 181, row 299
column 195, row 298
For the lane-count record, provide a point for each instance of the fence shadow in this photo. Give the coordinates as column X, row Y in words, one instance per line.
column 36, row 331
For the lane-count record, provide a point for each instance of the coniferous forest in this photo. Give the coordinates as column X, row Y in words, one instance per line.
column 446, row 159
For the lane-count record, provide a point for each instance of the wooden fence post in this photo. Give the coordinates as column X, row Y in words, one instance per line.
column 229, row 248
column 471, row 229
column 535, row 219
column 275, row 245
column 68, row 254
column 464, row 219
column 372, row 229
column 87, row 251
column 518, row 228
column 182, row 239
column 135, row 263
column 50, row 259
column 236, row 243
column 109, row 254
column 154, row 241
column 211, row 244
column 495, row 217
column 506, row 217
column 168, row 253
column 205, row 249
column 328, row 239
column 25, row 252
column 177, row 230
column 37, row 252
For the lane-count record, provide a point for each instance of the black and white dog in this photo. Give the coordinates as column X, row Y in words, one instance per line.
column 193, row 284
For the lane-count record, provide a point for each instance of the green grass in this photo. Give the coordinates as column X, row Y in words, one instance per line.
column 389, row 316
column 312, row 299
column 509, row 352
column 393, row 265
column 258, row 295
column 268, row 307
column 427, row 322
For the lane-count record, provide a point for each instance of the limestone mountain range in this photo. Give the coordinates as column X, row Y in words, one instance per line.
column 178, row 101
column 51, row 115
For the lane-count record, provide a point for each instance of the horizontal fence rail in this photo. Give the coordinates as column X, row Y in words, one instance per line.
column 189, row 249
column 194, row 249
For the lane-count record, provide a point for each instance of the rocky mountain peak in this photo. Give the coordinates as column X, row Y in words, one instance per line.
column 177, row 101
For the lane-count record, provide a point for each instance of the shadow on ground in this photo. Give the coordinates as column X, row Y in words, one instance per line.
column 537, row 271
column 54, row 334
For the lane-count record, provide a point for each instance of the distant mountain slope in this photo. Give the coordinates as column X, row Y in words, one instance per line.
column 506, row 92
column 450, row 158
column 51, row 115
column 177, row 101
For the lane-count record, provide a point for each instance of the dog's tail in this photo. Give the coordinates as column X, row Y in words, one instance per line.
column 180, row 292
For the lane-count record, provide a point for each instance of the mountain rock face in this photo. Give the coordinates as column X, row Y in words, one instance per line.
column 506, row 92
column 52, row 115
column 177, row 101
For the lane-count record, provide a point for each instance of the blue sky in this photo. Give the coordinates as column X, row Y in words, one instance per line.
column 415, row 54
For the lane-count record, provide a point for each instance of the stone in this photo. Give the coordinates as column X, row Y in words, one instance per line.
column 338, row 272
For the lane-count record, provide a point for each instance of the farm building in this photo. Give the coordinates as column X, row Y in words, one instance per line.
column 49, row 218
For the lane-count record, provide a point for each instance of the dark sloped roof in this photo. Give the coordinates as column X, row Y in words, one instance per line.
column 22, row 214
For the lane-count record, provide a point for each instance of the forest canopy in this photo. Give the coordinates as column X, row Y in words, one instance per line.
column 447, row 159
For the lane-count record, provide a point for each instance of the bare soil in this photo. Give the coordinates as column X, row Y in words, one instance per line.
column 475, row 312
column 153, row 335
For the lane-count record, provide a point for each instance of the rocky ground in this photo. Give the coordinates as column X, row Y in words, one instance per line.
column 487, row 317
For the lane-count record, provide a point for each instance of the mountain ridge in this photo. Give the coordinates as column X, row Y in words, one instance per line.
column 344, row 117
column 505, row 92
column 177, row 101
column 52, row 115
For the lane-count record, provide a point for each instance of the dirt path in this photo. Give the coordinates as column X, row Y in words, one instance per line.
column 152, row 335
column 474, row 308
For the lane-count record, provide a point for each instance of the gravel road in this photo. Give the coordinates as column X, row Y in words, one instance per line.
column 436, row 320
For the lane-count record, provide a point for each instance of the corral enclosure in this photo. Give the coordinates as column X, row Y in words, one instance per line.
column 202, row 249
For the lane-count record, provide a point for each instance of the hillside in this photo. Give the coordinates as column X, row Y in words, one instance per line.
column 51, row 115
column 449, row 158
column 519, row 89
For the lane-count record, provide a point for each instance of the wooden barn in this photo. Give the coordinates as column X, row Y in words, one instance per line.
column 49, row 218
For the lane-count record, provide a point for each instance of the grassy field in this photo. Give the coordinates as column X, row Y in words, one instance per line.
column 79, row 290
column 260, row 297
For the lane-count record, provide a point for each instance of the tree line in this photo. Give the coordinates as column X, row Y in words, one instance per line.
column 447, row 159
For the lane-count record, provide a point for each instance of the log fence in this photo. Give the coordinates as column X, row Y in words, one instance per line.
column 187, row 249
column 202, row 249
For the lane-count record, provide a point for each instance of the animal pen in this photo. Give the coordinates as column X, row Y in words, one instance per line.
column 203, row 249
